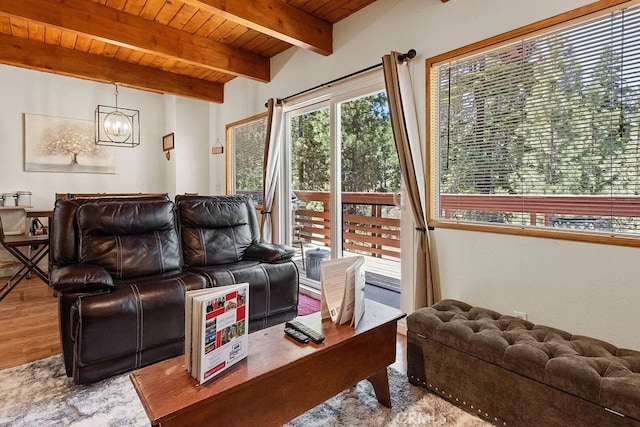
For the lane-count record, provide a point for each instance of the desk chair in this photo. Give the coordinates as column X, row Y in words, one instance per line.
column 37, row 248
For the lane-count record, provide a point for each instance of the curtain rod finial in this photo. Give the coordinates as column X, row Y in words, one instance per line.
column 406, row 56
column 277, row 101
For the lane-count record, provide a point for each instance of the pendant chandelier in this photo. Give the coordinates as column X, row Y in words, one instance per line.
column 116, row 126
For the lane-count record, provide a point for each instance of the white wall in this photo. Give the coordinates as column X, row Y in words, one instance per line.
column 192, row 146
column 217, row 162
column 140, row 169
column 170, row 166
column 585, row 288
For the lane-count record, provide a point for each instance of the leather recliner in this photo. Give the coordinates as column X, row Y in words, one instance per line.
column 221, row 239
column 117, row 267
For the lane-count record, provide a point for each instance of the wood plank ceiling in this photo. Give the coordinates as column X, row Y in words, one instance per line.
column 182, row 47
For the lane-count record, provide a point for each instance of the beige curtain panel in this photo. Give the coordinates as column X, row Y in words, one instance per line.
column 405, row 131
column 271, row 165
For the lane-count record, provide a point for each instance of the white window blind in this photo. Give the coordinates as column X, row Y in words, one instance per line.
column 246, row 140
column 543, row 132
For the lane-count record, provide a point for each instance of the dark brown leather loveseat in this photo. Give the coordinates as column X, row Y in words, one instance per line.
column 221, row 239
column 117, row 265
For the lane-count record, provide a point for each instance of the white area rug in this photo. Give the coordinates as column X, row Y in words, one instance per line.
column 40, row 394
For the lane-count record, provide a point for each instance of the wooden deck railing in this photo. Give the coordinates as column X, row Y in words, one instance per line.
column 374, row 234
column 547, row 206
column 378, row 235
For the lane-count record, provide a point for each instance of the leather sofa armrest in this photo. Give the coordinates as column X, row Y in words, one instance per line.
column 269, row 252
column 80, row 277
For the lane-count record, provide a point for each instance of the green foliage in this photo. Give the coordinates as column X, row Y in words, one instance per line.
column 310, row 147
column 566, row 125
column 369, row 157
column 249, row 140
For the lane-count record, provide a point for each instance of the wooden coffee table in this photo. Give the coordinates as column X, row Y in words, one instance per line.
column 280, row 379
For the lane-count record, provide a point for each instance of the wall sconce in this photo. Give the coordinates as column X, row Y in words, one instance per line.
column 168, row 144
column 116, row 126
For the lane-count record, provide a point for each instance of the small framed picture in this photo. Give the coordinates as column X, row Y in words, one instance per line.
column 167, row 142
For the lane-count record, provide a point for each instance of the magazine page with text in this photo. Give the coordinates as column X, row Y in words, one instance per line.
column 342, row 287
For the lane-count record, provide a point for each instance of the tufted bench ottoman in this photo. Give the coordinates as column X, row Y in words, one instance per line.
column 514, row 373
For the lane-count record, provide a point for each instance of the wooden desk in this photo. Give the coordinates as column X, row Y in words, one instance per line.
column 36, row 248
column 39, row 213
column 280, row 379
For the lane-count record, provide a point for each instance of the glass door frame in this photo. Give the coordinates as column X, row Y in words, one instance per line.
column 285, row 171
column 332, row 97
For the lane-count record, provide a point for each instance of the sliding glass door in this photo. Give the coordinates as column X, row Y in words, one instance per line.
column 309, row 136
column 344, row 180
column 371, row 179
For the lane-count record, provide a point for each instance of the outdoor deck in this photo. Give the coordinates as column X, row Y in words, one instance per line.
column 382, row 278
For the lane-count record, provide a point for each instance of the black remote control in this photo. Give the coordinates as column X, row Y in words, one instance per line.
column 298, row 336
column 315, row 336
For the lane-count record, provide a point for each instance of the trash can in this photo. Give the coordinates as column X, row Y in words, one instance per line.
column 314, row 258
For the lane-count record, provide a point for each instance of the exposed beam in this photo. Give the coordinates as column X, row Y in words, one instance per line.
column 112, row 26
column 43, row 57
column 275, row 18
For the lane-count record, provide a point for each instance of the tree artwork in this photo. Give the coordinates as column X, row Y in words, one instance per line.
column 72, row 139
column 66, row 145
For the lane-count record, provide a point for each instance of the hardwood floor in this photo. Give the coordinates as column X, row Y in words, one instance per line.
column 401, row 354
column 29, row 326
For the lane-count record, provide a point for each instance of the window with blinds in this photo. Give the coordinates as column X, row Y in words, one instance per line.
column 245, row 155
column 542, row 132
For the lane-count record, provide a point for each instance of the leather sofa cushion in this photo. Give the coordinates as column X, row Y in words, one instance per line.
column 129, row 239
column 270, row 286
column 215, row 231
column 270, row 252
column 136, row 316
column 80, row 278
column 64, row 230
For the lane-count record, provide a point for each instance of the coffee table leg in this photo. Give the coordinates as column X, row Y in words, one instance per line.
column 380, row 383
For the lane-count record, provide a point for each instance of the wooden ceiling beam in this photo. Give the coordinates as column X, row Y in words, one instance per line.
column 277, row 19
column 35, row 55
column 85, row 17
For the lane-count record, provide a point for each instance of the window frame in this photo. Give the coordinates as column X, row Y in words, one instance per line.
column 230, row 148
column 571, row 17
column 331, row 98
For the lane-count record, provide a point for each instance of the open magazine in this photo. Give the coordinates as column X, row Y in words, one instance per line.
column 216, row 335
column 342, row 289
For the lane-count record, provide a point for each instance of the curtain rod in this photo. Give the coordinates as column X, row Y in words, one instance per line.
column 402, row 57
column 355, row 73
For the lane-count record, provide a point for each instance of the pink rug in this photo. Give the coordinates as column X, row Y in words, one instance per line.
column 307, row 305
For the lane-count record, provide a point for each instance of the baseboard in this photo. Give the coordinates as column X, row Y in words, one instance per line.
column 306, row 290
column 402, row 326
